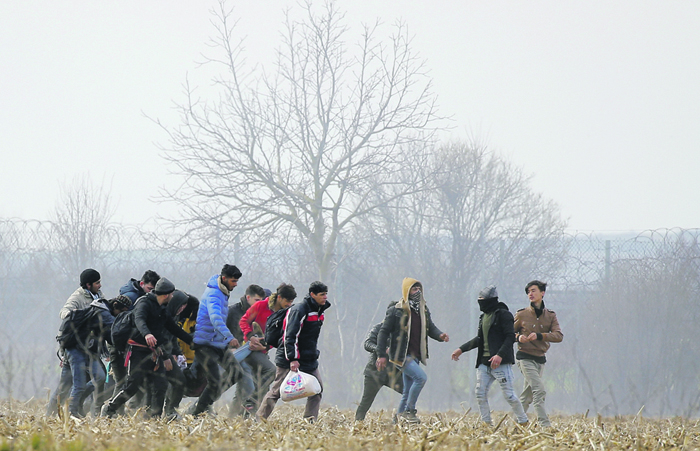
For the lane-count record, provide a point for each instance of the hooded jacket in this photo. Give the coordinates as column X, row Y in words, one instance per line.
column 301, row 329
column 396, row 328
column 152, row 318
column 501, row 336
column 132, row 289
column 211, row 327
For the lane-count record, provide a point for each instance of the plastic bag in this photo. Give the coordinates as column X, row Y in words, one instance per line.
column 299, row 385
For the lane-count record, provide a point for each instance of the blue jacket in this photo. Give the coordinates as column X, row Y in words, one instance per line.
column 211, row 327
column 132, row 289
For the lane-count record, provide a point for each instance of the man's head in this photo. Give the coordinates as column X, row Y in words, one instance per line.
column 90, row 280
column 535, row 291
column 318, row 292
column 415, row 289
column 119, row 304
column 253, row 294
column 164, row 290
column 229, row 276
column 285, row 295
column 149, row 280
column 488, row 299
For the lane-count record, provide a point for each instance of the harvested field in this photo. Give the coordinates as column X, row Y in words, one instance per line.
column 23, row 427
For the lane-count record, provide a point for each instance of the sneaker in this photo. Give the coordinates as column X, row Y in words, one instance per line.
column 409, row 416
column 172, row 416
column 107, row 412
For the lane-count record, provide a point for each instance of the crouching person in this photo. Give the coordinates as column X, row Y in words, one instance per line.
column 298, row 349
column 145, row 358
column 495, row 359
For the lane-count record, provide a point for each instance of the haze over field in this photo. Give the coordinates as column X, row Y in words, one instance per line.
column 599, row 101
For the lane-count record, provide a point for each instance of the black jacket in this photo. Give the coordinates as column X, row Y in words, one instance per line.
column 394, row 331
column 233, row 319
column 152, row 318
column 501, row 336
column 302, row 327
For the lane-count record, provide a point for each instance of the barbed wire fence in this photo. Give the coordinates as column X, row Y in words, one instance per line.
column 605, row 290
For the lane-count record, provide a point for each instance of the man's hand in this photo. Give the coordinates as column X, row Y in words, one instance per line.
column 294, row 365
column 168, row 364
column 254, row 344
column 151, row 340
column 495, row 361
column 444, row 337
column 381, row 363
column 456, row 353
column 525, row 339
column 233, row 344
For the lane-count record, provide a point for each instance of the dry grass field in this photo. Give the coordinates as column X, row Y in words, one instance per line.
column 24, row 427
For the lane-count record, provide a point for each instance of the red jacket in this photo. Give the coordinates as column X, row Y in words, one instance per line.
column 259, row 312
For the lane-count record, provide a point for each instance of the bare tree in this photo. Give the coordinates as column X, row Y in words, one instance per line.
column 296, row 154
column 81, row 224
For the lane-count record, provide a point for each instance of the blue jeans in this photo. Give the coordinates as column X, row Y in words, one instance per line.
column 414, row 379
column 485, row 375
column 79, row 363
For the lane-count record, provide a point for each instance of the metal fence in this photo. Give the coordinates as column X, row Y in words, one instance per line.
column 593, row 287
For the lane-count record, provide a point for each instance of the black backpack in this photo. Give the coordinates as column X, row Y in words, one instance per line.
column 75, row 328
column 274, row 327
column 122, row 329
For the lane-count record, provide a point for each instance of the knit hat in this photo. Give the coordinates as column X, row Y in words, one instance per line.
column 488, row 292
column 89, row 276
column 164, row 286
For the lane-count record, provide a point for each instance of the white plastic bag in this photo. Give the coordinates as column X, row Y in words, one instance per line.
column 299, row 385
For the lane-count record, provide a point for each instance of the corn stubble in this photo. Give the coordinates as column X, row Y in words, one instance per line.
column 23, row 427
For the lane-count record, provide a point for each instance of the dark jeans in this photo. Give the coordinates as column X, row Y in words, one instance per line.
column 208, row 360
column 374, row 381
column 259, row 372
column 142, row 369
column 176, row 388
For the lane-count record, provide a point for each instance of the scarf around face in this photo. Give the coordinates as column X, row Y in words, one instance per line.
column 414, row 301
column 488, row 305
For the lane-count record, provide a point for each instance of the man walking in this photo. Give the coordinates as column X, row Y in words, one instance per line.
column 494, row 360
column 146, row 358
column 213, row 339
column 409, row 324
column 535, row 328
column 299, row 349
column 135, row 289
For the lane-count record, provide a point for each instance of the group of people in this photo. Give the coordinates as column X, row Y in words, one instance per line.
column 176, row 344
column 162, row 343
column 398, row 345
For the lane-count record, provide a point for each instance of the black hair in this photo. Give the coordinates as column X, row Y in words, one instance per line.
column 541, row 285
column 318, row 287
column 231, row 271
column 150, row 277
column 286, row 291
column 120, row 301
column 253, row 289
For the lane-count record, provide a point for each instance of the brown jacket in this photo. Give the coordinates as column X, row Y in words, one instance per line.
column 546, row 327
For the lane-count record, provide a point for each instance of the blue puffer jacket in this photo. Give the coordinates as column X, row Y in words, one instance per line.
column 211, row 327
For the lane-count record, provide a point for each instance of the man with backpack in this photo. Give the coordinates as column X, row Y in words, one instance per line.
column 89, row 290
column 298, row 349
column 81, row 337
column 145, row 356
column 494, row 360
column 258, row 361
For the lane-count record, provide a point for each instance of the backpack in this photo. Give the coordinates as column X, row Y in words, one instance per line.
column 274, row 327
column 122, row 329
column 75, row 328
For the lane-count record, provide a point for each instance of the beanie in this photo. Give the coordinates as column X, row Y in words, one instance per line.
column 89, row 276
column 488, row 292
column 164, row 286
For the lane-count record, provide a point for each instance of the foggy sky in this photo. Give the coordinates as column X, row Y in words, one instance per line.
column 599, row 101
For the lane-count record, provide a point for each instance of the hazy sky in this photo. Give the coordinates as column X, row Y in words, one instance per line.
column 599, row 101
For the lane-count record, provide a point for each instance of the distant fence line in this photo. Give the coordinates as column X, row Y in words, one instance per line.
column 39, row 269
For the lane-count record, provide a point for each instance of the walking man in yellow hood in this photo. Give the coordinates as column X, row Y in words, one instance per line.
column 405, row 332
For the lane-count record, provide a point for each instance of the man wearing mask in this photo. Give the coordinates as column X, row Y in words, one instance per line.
column 409, row 324
column 495, row 359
